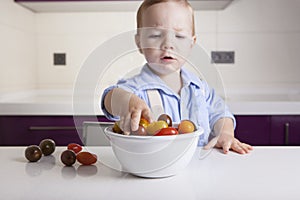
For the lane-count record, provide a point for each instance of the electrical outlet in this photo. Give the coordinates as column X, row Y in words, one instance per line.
column 59, row 58
column 222, row 57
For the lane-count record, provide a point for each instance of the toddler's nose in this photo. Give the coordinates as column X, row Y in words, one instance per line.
column 167, row 44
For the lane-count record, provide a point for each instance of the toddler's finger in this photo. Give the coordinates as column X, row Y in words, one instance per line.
column 135, row 120
column 146, row 113
column 126, row 124
column 238, row 148
column 247, row 148
column 226, row 146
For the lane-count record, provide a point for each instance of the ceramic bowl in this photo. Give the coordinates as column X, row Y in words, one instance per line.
column 153, row 156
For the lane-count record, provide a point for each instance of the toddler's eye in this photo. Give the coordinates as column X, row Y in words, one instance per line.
column 180, row 36
column 154, row 36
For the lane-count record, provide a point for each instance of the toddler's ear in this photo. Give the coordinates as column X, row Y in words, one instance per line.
column 138, row 42
column 194, row 40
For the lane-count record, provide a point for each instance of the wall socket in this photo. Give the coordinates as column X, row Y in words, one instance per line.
column 59, row 58
column 222, row 57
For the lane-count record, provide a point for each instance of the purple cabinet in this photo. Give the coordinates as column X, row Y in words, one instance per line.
column 268, row 129
column 285, row 130
column 26, row 130
column 253, row 129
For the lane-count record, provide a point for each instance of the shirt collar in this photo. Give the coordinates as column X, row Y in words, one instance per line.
column 188, row 78
column 154, row 81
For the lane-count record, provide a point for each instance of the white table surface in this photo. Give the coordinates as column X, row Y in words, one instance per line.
column 265, row 173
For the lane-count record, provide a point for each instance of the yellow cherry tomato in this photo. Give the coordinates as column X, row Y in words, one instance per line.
column 143, row 122
column 186, row 126
column 154, row 127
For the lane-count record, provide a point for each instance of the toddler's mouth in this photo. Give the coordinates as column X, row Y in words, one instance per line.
column 167, row 58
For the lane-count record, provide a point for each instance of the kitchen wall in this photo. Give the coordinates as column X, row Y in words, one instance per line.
column 77, row 35
column 265, row 35
column 17, row 48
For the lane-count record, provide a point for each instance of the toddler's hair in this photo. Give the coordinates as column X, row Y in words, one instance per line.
column 147, row 3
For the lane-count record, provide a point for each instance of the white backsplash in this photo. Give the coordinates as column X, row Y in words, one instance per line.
column 265, row 35
column 17, row 47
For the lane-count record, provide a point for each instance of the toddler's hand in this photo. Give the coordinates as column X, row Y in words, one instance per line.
column 129, row 108
column 137, row 108
column 227, row 142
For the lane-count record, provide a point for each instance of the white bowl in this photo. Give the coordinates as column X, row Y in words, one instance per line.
column 153, row 156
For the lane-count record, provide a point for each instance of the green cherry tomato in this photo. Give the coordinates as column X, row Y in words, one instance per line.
column 116, row 128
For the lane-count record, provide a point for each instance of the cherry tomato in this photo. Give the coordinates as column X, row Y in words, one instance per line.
column 68, row 157
column 86, row 158
column 167, row 131
column 153, row 127
column 165, row 118
column 74, row 147
column 47, row 146
column 186, row 126
column 144, row 122
column 33, row 153
column 116, row 128
column 141, row 131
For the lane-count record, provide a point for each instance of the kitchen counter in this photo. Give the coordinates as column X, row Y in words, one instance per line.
column 265, row 173
column 60, row 102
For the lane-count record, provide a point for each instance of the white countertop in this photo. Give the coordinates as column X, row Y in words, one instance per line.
column 265, row 173
column 60, row 102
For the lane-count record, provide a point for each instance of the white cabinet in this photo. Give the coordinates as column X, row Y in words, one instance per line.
column 108, row 5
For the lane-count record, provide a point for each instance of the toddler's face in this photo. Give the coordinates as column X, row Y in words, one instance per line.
column 166, row 38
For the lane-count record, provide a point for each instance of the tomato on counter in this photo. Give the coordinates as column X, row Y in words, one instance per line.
column 86, row 158
column 74, row 147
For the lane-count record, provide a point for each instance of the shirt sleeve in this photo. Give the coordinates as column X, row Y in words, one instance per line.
column 105, row 112
column 217, row 107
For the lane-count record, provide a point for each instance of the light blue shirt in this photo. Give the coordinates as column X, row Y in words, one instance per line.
column 196, row 102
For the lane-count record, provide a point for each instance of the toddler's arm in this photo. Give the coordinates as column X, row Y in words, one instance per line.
column 129, row 107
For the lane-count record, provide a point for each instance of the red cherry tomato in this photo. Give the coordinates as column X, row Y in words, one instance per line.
column 75, row 147
column 86, row 158
column 167, row 131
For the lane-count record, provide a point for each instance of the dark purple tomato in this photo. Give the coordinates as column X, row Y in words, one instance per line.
column 166, row 118
column 33, row 153
column 47, row 146
column 68, row 157
column 141, row 131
